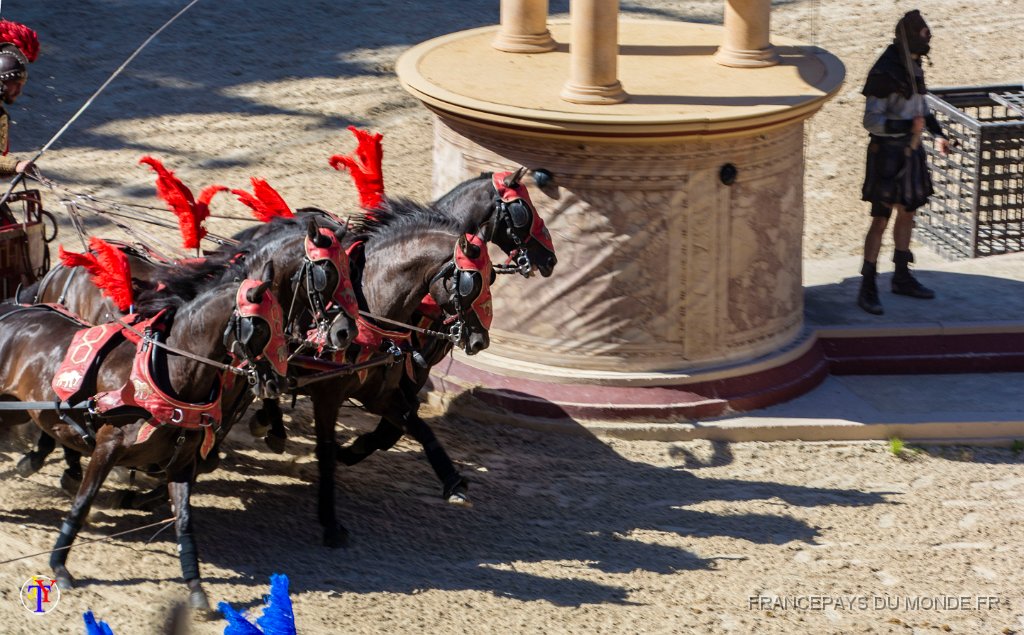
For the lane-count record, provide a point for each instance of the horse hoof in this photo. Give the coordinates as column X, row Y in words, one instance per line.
column 460, row 499
column 275, row 443
column 258, row 425
column 199, row 603
column 337, row 538
column 28, row 465
column 456, row 492
column 63, row 577
column 69, row 483
column 346, row 456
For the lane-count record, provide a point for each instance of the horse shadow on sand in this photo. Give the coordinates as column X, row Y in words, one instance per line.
column 539, row 499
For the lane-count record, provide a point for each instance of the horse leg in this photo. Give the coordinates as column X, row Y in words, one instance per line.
column 179, row 488
column 104, row 456
column 71, row 479
column 454, row 488
column 383, row 437
column 146, row 501
column 33, row 461
column 268, row 422
column 276, row 435
column 325, row 413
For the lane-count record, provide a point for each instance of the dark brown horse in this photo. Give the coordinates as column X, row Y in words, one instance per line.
column 35, row 340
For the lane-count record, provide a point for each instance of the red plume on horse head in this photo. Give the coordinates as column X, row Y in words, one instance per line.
column 265, row 202
column 108, row 269
column 191, row 213
column 364, row 164
column 21, row 36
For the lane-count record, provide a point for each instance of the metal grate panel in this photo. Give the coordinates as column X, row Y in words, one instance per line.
column 978, row 205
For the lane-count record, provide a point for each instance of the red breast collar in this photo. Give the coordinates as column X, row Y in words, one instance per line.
column 371, row 338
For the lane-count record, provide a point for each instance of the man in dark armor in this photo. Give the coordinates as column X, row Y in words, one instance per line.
column 896, row 176
column 19, row 46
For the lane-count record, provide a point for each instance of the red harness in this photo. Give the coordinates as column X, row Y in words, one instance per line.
column 141, row 391
column 371, row 339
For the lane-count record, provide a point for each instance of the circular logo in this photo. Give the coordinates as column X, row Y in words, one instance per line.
column 40, row 594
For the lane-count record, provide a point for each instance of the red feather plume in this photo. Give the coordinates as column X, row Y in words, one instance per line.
column 108, row 269
column 21, row 36
column 191, row 214
column 265, row 202
column 364, row 165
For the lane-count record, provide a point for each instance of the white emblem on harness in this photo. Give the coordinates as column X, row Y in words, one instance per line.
column 142, row 389
column 69, row 380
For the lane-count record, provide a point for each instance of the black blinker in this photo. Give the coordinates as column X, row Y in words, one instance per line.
column 519, row 213
column 467, row 283
column 319, row 278
column 245, row 332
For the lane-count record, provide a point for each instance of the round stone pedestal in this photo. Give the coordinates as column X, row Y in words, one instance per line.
column 677, row 215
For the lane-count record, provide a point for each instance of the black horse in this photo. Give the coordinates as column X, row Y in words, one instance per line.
column 399, row 257
column 499, row 207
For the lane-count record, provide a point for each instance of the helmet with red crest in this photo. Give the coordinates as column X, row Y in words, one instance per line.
column 19, row 46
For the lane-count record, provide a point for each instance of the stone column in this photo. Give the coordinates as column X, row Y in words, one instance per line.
column 593, row 53
column 524, row 27
column 747, row 30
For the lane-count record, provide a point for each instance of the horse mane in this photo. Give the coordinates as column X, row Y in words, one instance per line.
column 398, row 218
column 443, row 203
column 181, row 283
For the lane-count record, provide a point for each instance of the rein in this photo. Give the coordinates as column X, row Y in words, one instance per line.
column 451, row 337
column 91, row 203
column 177, row 351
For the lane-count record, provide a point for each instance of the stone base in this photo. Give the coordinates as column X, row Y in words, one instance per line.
column 511, row 43
column 753, row 58
column 658, row 411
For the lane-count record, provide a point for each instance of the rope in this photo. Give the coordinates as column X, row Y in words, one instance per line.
column 177, row 351
column 81, row 200
column 18, row 177
column 165, row 522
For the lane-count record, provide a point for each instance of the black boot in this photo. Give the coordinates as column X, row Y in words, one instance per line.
column 903, row 283
column 867, row 297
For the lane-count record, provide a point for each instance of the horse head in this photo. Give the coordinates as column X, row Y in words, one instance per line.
column 517, row 228
column 500, row 205
column 313, row 276
column 328, row 285
column 462, row 290
column 254, row 335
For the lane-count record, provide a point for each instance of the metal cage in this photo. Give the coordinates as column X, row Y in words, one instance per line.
column 978, row 205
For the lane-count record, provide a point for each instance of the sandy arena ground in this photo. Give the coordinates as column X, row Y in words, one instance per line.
column 568, row 534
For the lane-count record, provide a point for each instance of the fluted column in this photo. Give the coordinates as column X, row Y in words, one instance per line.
column 524, row 27
column 747, row 35
column 593, row 53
